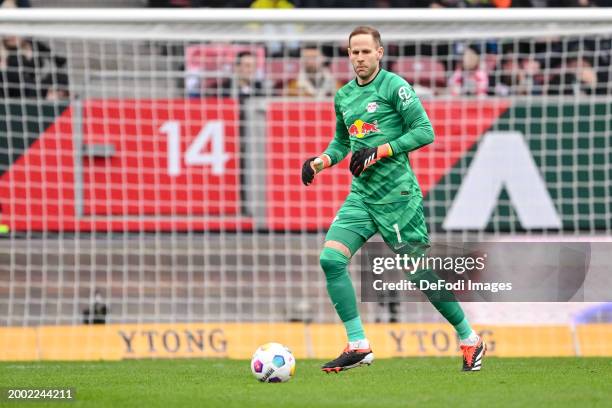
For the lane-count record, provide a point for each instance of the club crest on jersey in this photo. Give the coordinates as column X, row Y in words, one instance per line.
column 360, row 129
column 372, row 106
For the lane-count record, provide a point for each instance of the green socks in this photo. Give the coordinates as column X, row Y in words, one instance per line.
column 341, row 291
column 354, row 329
column 463, row 329
column 342, row 294
column 446, row 303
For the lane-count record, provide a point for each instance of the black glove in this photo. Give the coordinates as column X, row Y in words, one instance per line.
column 362, row 159
column 308, row 172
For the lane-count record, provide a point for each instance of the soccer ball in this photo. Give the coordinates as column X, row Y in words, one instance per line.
column 273, row 363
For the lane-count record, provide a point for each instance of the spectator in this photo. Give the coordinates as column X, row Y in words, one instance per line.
column 518, row 76
column 505, row 77
column 531, row 78
column 469, row 77
column 55, row 87
column 244, row 84
column 22, row 63
column 578, row 78
column 17, row 3
column 98, row 310
column 314, row 78
column 19, row 69
column 272, row 4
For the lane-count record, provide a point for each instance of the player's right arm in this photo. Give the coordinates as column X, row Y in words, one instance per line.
column 335, row 152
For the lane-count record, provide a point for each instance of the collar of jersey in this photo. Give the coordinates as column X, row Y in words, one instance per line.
column 371, row 81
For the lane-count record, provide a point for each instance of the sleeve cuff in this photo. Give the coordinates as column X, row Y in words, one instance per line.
column 331, row 156
column 394, row 148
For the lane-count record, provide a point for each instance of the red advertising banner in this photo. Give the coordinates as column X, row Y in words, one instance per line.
column 171, row 157
column 300, row 130
column 136, row 165
column 173, row 165
column 296, row 131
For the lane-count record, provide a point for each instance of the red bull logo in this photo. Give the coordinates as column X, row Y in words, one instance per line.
column 359, row 128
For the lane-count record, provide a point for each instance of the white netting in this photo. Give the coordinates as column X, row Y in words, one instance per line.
column 123, row 174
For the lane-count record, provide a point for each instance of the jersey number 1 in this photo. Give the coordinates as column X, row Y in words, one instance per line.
column 397, row 231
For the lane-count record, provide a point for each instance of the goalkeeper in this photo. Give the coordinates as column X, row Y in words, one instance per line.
column 380, row 120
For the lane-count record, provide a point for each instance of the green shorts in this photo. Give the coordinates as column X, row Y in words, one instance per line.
column 401, row 224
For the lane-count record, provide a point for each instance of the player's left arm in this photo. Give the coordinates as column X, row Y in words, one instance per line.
column 419, row 130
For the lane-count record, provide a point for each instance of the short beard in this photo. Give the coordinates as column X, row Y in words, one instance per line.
column 367, row 75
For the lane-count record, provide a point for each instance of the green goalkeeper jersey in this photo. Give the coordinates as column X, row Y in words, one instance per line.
column 385, row 110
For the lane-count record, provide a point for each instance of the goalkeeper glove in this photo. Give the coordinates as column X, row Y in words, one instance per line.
column 308, row 169
column 364, row 158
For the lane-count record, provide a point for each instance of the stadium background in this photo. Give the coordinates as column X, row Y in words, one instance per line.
column 147, row 199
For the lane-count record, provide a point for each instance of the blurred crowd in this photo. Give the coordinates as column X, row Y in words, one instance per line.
column 316, row 3
column 28, row 69
column 568, row 66
column 284, row 4
column 379, row 3
column 489, row 68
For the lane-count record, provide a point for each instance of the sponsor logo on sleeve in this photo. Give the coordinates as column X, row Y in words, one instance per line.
column 405, row 95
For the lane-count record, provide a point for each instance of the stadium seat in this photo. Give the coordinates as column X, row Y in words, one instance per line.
column 341, row 68
column 280, row 70
column 422, row 70
column 217, row 60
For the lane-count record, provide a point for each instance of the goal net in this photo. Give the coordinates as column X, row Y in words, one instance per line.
column 145, row 185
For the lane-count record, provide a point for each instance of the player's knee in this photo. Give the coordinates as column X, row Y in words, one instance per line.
column 338, row 246
column 333, row 263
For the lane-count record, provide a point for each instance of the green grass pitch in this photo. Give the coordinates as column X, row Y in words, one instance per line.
column 431, row 382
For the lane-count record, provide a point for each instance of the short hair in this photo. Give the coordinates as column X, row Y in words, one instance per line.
column 243, row 54
column 366, row 30
column 56, row 80
column 309, row 46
